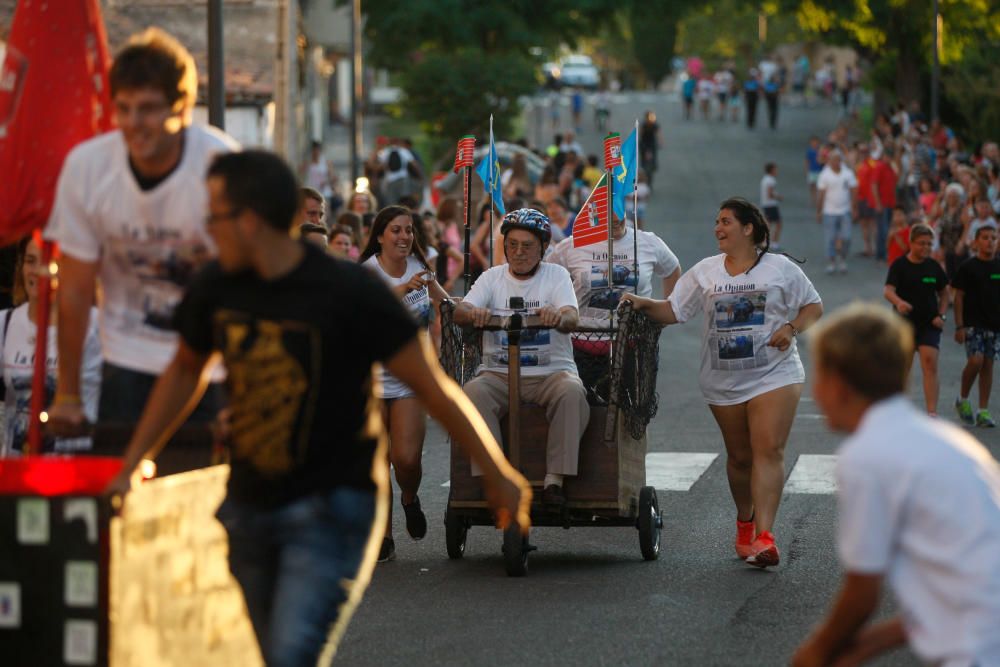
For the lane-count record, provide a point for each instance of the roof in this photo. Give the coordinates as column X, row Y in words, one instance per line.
column 249, row 38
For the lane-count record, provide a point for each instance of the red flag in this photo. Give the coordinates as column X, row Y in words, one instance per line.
column 591, row 223
column 53, row 95
column 612, row 150
column 463, row 154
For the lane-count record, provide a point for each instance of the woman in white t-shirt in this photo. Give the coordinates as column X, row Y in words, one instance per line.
column 754, row 304
column 394, row 256
column 18, row 358
column 588, row 267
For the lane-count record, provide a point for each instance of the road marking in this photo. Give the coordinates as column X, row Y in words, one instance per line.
column 676, row 471
column 813, row 473
column 446, row 485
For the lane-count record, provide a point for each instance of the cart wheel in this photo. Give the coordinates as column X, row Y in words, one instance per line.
column 456, row 529
column 649, row 523
column 515, row 552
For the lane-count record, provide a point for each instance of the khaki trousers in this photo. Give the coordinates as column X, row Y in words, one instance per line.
column 562, row 395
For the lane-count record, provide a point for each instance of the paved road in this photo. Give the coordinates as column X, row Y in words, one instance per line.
column 589, row 599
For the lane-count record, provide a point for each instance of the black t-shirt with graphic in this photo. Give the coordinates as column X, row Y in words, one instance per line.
column 298, row 352
column 918, row 284
column 980, row 281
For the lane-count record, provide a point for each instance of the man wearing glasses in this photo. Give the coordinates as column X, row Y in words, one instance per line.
column 548, row 373
column 129, row 210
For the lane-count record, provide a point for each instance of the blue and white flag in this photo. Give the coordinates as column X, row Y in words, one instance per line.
column 489, row 171
column 624, row 175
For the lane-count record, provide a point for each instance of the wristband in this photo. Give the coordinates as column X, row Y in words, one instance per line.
column 795, row 332
column 67, row 399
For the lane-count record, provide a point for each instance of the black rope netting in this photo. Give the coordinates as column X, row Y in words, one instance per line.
column 618, row 366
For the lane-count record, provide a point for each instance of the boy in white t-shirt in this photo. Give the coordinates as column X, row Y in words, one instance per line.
column 548, row 373
column 130, row 211
column 836, row 204
column 919, row 505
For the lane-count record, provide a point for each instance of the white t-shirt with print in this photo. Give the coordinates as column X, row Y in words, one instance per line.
column 741, row 314
column 767, row 184
column 588, row 267
column 543, row 352
column 418, row 302
column 18, row 360
column 837, row 186
column 149, row 243
column 919, row 502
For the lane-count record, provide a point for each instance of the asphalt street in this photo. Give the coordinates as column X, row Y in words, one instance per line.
column 589, row 598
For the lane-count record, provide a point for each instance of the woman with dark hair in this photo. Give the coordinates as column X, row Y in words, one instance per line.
column 394, row 256
column 17, row 352
column 755, row 303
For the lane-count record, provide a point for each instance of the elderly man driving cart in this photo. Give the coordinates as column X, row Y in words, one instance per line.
column 548, row 373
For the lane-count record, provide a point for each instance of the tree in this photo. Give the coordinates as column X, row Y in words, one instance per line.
column 654, row 34
column 457, row 61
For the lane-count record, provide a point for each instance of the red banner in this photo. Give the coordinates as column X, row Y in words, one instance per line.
column 464, row 152
column 612, row 150
column 591, row 223
column 53, row 95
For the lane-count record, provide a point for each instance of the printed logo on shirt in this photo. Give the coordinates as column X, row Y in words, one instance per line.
column 602, row 296
column 929, row 280
column 737, row 340
column 995, row 276
column 535, row 348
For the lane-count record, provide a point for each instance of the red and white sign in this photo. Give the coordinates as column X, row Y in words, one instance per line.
column 591, row 223
column 464, row 152
column 612, row 150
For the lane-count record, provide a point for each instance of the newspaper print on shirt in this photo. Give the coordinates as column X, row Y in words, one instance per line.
column 737, row 337
column 536, row 344
column 602, row 297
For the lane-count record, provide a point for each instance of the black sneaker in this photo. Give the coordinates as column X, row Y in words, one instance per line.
column 388, row 550
column 553, row 497
column 416, row 522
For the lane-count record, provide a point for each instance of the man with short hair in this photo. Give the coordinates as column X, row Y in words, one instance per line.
column 299, row 333
column 918, row 508
column 315, row 234
column 130, row 210
column 313, row 206
column 835, row 205
column 548, row 372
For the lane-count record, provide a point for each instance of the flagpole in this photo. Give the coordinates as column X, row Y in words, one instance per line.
column 489, row 156
column 635, row 210
column 38, row 393
column 611, row 239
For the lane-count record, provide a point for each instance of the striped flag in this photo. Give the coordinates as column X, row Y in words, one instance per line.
column 591, row 224
column 463, row 154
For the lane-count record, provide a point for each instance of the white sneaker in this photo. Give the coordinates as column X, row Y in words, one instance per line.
column 842, row 267
column 830, row 268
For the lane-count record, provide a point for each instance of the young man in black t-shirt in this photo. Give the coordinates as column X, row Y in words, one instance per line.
column 977, row 324
column 917, row 287
column 299, row 332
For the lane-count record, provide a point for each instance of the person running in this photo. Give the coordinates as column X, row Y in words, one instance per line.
column 306, row 499
column 917, row 287
column 130, row 209
column 755, row 303
column 977, row 324
column 548, row 373
column 769, row 201
column 588, row 267
column 650, row 142
column 395, row 257
column 836, row 204
column 17, row 357
column 918, row 508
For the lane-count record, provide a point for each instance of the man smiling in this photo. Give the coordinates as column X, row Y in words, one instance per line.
column 130, row 210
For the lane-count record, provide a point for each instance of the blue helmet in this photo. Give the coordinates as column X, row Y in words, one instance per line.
column 529, row 219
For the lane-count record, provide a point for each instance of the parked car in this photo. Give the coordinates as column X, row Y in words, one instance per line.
column 579, row 71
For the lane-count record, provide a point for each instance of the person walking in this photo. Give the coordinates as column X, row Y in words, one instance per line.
column 977, row 324
column 836, row 204
column 918, row 508
column 769, row 202
column 917, row 287
column 755, row 303
column 650, row 142
column 299, row 332
column 130, row 210
column 772, row 89
column 751, row 92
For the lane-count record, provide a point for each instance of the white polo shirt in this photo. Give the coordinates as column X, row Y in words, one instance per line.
column 919, row 502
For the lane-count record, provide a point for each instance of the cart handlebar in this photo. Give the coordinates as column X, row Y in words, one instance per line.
column 508, row 323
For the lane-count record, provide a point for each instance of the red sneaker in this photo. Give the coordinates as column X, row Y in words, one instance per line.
column 764, row 553
column 745, row 531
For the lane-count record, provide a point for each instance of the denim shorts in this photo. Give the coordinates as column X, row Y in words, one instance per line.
column 982, row 342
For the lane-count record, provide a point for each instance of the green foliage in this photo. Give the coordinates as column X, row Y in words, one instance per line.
column 654, row 33
column 457, row 61
column 972, row 92
column 728, row 30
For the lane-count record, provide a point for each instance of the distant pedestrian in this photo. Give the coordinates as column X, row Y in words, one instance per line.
column 835, row 206
column 687, row 92
column 577, row 104
column 917, row 288
column 977, row 324
column 772, row 89
column 813, row 166
column 751, row 92
column 650, row 142
column 918, row 509
column 898, row 243
column 769, row 200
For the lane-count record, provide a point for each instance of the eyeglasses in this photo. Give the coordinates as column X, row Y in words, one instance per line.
column 213, row 218
column 514, row 246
